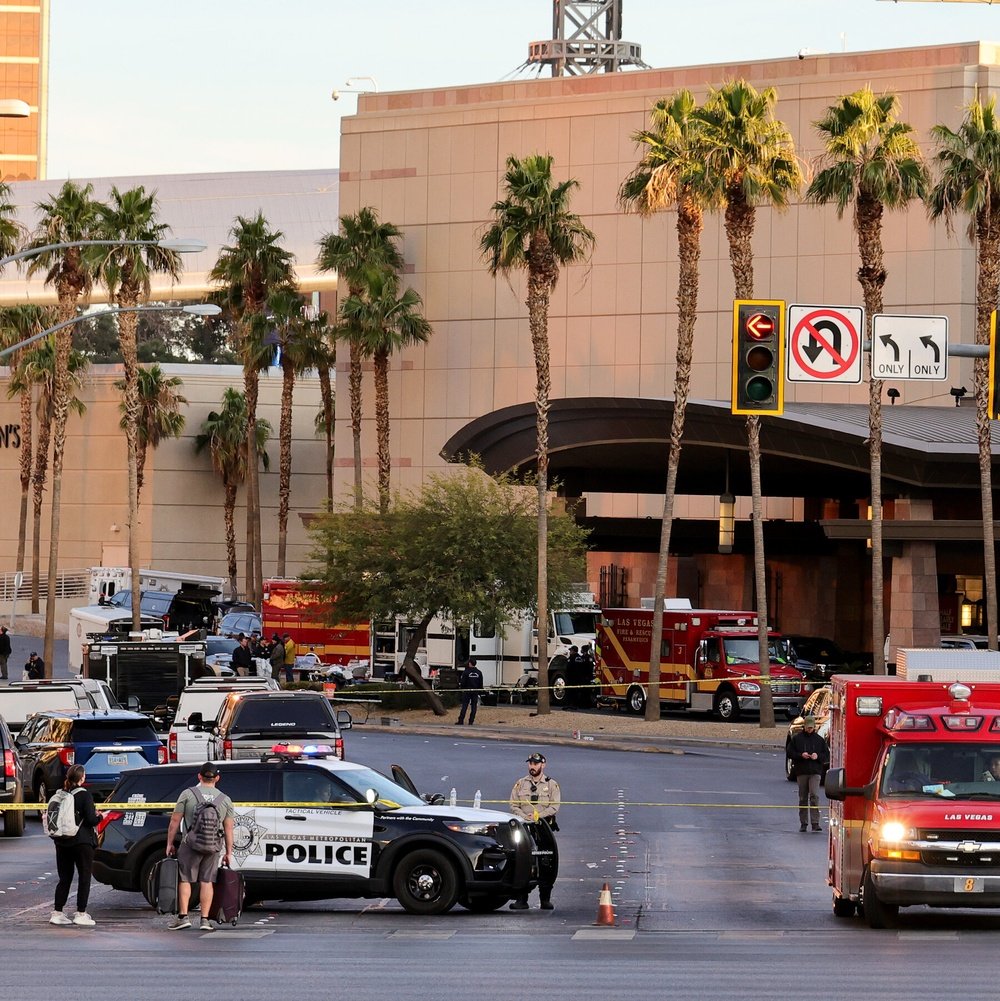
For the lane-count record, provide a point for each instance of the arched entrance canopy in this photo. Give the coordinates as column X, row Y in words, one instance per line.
column 607, row 444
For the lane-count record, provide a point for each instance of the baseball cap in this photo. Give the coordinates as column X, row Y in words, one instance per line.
column 208, row 770
column 536, row 759
column 472, row 662
column 809, row 721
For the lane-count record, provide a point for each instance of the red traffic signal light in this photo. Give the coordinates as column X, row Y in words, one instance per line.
column 758, row 354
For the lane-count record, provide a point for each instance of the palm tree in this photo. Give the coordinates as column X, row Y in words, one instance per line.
column 671, row 174
column 872, row 160
column 38, row 367
column 534, row 231
column 126, row 271
column 224, row 434
column 159, row 414
column 250, row 270
column 969, row 181
column 750, row 159
column 319, row 348
column 363, row 244
column 70, row 215
column 18, row 324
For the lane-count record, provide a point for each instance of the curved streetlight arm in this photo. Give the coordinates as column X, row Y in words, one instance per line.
column 195, row 310
column 178, row 246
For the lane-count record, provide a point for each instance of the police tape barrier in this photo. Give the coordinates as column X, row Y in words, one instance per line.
column 104, row 807
column 592, row 686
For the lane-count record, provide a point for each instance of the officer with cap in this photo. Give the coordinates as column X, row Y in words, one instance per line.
column 810, row 757
column 471, row 684
column 536, row 798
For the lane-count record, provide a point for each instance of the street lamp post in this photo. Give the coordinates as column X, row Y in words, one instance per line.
column 60, row 381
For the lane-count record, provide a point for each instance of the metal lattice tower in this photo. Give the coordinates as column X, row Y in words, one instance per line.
column 586, row 38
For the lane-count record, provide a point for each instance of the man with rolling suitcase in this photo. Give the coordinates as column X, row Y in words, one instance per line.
column 207, row 816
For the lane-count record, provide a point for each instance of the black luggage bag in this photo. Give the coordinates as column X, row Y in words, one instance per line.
column 162, row 891
column 228, row 893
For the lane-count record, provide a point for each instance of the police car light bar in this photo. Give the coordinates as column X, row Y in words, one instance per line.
column 306, row 751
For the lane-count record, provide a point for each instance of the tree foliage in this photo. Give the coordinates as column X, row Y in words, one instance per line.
column 463, row 547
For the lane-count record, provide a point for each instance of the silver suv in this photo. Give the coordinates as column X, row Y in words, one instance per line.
column 252, row 724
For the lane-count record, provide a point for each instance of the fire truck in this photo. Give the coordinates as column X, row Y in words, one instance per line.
column 914, row 786
column 708, row 662
column 300, row 609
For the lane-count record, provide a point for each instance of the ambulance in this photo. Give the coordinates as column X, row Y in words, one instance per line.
column 708, row 662
column 914, row 785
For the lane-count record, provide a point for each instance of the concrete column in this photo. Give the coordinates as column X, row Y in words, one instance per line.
column 914, row 620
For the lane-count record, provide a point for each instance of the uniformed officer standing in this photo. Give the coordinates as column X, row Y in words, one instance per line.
column 536, row 798
column 471, row 683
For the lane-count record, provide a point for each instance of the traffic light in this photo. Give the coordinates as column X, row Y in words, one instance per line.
column 993, row 401
column 758, row 356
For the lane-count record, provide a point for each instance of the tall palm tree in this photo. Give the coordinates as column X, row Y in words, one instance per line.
column 38, row 367
column 224, row 434
column 286, row 321
column 363, row 244
column 18, row 323
column 387, row 322
column 160, row 414
column 968, row 161
column 751, row 160
column 127, row 271
column 71, row 214
column 250, row 269
column 534, row 231
column 671, row 174
column 319, row 348
column 872, row 160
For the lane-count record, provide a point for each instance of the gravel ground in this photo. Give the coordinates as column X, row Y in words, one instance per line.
column 601, row 724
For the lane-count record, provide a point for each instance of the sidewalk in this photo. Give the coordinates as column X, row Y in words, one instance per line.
column 605, row 728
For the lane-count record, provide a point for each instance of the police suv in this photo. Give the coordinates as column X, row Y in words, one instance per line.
column 311, row 827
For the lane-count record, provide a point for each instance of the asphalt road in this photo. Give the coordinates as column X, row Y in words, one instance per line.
column 717, row 896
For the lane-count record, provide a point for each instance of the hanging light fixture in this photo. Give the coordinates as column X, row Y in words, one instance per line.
column 727, row 516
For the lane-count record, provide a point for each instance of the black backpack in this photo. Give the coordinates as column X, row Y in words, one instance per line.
column 205, row 833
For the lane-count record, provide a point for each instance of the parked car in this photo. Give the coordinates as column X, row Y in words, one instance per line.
column 243, row 621
column 219, row 654
column 22, row 699
column 106, row 743
column 817, row 705
column 384, row 842
column 250, row 725
column 180, row 611
column 196, row 711
column 818, row 658
column 11, row 784
column 965, row 641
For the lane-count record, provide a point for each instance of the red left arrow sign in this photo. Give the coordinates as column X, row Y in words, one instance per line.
column 760, row 325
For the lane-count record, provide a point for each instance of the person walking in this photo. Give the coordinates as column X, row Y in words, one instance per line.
column 535, row 798
column 810, row 757
column 207, row 815
column 4, row 652
column 75, row 853
column 471, row 684
column 289, row 645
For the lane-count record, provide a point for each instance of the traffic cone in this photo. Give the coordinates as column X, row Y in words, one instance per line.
column 605, row 909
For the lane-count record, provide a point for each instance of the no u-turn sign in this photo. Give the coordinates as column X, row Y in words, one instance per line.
column 824, row 343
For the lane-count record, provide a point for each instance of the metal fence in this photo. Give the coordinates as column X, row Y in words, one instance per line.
column 69, row 584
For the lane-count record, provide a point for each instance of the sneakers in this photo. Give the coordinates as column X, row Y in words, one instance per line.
column 802, row 828
column 180, row 922
column 519, row 905
column 206, row 925
column 58, row 918
column 547, row 905
column 817, row 829
column 83, row 919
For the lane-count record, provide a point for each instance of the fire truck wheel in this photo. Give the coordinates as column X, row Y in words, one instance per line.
column 557, row 687
column 878, row 914
column 843, row 908
column 727, row 706
column 636, row 700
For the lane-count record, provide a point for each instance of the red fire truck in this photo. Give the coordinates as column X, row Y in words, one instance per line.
column 915, row 803
column 299, row 609
column 708, row 662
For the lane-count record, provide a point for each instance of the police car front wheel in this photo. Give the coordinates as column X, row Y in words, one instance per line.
column 425, row 882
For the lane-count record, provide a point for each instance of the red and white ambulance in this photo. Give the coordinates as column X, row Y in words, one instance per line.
column 914, row 785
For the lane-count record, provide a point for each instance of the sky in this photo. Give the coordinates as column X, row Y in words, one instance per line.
column 186, row 86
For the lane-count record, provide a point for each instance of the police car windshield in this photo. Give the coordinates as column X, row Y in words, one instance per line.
column 953, row 771
column 360, row 780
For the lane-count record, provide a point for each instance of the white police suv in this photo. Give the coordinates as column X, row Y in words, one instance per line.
column 312, row 827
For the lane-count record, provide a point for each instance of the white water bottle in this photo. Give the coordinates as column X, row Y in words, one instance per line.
column 453, row 798
column 477, row 802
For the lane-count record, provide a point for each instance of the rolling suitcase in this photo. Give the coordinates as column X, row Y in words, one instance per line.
column 163, row 886
column 228, row 894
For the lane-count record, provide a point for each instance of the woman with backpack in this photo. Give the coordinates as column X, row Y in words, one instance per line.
column 74, row 851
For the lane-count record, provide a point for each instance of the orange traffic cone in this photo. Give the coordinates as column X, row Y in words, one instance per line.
column 605, row 909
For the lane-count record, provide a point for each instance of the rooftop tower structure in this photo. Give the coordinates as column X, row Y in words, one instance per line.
column 586, row 38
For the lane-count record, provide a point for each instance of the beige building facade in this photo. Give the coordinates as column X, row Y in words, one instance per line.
column 24, row 72
column 432, row 162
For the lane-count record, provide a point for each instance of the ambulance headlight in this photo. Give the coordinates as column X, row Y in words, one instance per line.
column 749, row 686
column 489, row 830
column 892, row 832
